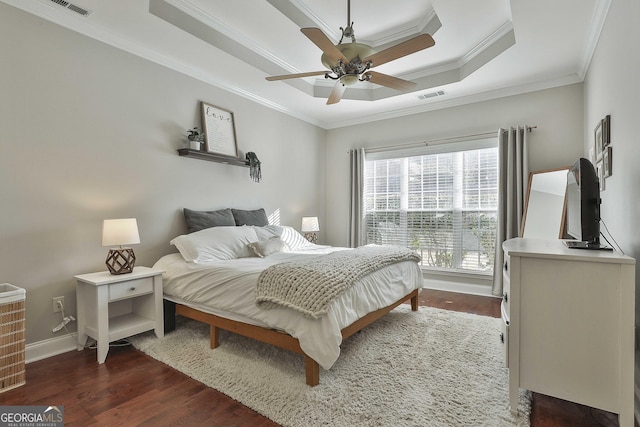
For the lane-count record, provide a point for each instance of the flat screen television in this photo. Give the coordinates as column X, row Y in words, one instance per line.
column 583, row 206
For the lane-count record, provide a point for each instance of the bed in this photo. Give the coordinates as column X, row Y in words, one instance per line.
column 217, row 277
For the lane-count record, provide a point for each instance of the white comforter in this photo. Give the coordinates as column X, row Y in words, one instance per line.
column 226, row 288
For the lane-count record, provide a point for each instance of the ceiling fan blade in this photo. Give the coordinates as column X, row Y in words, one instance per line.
column 336, row 93
column 295, row 76
column 423, row 41
column 323, row 42
column 390, row 81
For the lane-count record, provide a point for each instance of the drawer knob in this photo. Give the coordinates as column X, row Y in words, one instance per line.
column 132, row 288
column 501, row 338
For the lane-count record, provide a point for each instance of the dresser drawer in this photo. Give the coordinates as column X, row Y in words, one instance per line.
column 130, row 288
column 506, row 292
column 504, row 334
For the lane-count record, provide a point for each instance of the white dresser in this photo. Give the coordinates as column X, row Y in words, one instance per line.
column 568, row 324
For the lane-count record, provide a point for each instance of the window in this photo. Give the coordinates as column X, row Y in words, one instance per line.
column 443, row 205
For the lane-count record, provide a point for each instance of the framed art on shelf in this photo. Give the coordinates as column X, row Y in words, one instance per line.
column 219, row 130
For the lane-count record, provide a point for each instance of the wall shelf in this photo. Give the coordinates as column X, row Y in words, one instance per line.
column 213, row 157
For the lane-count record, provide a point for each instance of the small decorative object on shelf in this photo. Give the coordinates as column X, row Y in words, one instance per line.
column 254, row 166
column 196, row 138
column 310, row 226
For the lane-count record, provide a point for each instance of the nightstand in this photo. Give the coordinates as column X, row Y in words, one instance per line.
column 113, row 307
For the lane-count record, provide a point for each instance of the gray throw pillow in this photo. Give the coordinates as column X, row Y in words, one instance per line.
column 199, row 220
column 257, row 217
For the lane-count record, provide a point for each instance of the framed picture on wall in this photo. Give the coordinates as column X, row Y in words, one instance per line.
column 219, row 130
column 606, row 131
column 607, row 161
column 600, row 172
column 597, row 138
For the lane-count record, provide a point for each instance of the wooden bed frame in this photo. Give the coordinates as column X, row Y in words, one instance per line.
column 272, row 336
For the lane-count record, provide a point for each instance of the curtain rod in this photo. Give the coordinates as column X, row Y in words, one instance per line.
column 438, row 141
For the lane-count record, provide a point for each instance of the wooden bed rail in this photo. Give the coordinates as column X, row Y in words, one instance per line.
column 282, row 339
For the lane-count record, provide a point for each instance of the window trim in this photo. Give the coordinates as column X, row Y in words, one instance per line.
column 427, row 149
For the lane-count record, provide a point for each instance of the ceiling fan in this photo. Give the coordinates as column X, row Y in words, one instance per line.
column 350, row 63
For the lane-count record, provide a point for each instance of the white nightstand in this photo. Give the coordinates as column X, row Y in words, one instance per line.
column 112, row 307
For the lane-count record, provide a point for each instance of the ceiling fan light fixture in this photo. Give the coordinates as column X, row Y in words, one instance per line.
column 351, row 51
column 349, row 79
column 350, row 63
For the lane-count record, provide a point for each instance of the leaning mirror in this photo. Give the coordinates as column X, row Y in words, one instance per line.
column 544, row 212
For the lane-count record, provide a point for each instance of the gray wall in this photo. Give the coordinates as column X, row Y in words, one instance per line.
column 612, row 87
column 89, row 132
column 556, row 142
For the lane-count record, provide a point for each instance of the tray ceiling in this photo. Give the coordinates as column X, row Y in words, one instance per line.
column 484, row 48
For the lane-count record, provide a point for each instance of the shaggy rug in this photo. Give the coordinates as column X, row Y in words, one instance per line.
column 430, row 368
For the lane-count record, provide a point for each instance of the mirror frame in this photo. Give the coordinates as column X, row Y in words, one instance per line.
column 563, row 219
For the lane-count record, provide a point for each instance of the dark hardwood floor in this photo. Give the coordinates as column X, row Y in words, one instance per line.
column 131, row 388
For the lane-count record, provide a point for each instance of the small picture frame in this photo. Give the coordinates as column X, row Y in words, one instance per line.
column 219, row 130
column 607, row 162
column 597, row 137
column 606, row 131
column 600, row 172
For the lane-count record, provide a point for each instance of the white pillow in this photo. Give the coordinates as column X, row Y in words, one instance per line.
column 293, row 239
column 268, row 231
column 267, row 247
column 216, row 243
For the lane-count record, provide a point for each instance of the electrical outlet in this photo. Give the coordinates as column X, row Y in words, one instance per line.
column 56, row 307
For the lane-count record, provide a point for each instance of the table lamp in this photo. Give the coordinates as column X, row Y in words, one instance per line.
column 310, row 226
column 118, row 232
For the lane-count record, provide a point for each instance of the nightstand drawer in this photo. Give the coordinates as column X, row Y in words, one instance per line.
column 130, row 288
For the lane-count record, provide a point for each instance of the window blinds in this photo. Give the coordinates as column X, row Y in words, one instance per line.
column 442, row 204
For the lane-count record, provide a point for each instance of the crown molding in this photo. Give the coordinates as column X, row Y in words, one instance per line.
column 46, row 10
column 598, row 19
column 452, row 101
column 85, row 26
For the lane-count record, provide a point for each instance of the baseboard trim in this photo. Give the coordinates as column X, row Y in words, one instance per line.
column 463, row 288
column 50, row 347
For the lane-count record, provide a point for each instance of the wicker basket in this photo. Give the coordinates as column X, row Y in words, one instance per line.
column 12, row 337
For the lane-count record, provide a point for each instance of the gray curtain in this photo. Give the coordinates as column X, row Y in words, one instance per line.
column 513, row 173
column 356, row 226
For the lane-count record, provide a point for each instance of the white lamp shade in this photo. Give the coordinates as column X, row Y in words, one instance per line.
column 309, row 224
column 118, row 232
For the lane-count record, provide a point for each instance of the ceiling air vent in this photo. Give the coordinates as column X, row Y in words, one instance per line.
column 431, row 94
column 72, row 7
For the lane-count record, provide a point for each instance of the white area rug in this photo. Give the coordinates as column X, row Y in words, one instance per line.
column 430, row 368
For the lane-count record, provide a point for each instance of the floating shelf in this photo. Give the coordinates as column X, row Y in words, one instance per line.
column 213, row 157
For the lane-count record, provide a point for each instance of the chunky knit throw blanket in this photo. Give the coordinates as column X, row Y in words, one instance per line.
column 310, row 286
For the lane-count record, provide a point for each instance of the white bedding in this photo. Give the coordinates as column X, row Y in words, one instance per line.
column 226, row 288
